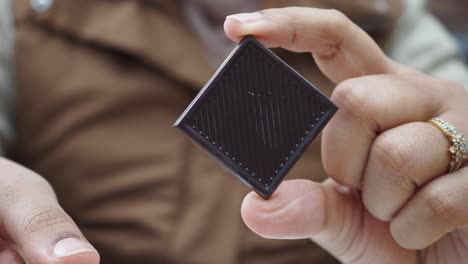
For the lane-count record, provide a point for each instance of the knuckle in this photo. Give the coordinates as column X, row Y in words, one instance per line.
column 18, row 178
column 33, row 181
column 451, row 89
column 338, row 18
column 337, row 23
column 44, row 219
column 396, row 158
column 352, row 98
column 294, row 27
column 42, row 184
column 452, row 86
column 440, row 203
column 457, row 87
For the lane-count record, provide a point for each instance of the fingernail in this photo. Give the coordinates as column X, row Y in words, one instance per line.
column 246, row 17
column 343, row 189
column 70, row 246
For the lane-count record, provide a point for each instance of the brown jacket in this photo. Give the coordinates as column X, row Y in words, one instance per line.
column 99, row 85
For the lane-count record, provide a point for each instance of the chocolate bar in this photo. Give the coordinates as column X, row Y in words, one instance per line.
column 256, row 116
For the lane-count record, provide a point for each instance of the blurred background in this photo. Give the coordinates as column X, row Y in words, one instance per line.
column 454, row 14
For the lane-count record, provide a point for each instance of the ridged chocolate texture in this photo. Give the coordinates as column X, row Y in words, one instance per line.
column 256, row 116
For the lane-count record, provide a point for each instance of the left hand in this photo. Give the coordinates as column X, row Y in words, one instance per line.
column 395, row 201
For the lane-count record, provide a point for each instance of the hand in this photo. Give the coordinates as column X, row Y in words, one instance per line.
column 33, row 225
column 389, row 198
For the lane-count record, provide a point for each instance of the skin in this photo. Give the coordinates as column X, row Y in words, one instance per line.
column 32, row 222
column 389, row 198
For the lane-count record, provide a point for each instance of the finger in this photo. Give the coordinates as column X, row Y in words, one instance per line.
column 369, row 106
column 33, row 220
column 331, row 215
column 341, row 49
column 435, row 210
column 400, row 160
column 8, row 254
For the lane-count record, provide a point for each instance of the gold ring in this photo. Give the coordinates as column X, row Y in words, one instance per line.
column 458, row 144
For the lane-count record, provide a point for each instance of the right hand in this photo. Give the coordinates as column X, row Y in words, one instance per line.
column 33, row 227
column 389, row 198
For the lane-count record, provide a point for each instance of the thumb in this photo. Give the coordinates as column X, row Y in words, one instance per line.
column 34, row 222
column 331, row 215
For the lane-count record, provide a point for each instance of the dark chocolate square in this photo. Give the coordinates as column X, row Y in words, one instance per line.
column 256, row 116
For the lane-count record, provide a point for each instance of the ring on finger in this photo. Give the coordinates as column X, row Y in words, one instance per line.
column 458, row 144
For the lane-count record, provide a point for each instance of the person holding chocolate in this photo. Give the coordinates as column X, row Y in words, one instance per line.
column 395, row 151
column 99, row 84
